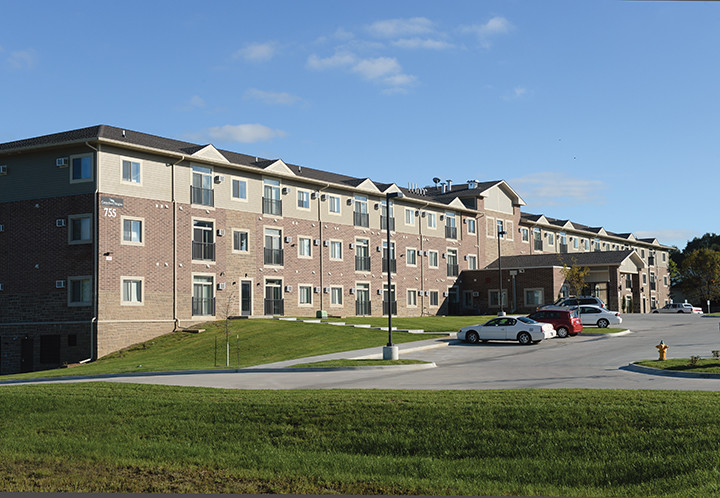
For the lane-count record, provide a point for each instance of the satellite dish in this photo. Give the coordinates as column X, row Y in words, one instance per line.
column 436, row 180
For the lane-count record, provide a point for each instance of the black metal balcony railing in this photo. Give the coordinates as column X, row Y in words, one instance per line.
column 361, row 219
column 204, row 196
column 204, row 251
column 362, row 308
column 538, row 245
column 393, row 307
column 651, row 260
column 450, row 232
column 384, row 223
column 452, row 270
column 274, row 306
column 393, row 265
column 272, row 206
column 563, row 248
column 274, row 256
column 652, row 285
column 203, row 306
column 362, row 263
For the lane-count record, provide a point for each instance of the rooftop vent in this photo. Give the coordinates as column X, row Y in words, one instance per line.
column 472, row 184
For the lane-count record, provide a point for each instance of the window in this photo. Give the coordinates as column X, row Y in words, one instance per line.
column 411, row 257
column 240, row 241
column 336, row 296
column 305, row 295
column 596, row 244
column 644, row 278
column 362, row 255
column 304, row 247
column 80, row 229
column 409, row 216
column 586, row 244
column 203, row 300
column 665, row 280
column 412, row 298
column 471, row 225
column 432, row 220
column 132, row 291
column 273, row 252
column 272, row 203
column 203, row 243
column 335, row 249
column 551, row 238
column 500, row 229
column 334, row 204
column 303, row 197
column 201, row 191
column 472, row 262
column 132, row 231
column 537, row 239
column 360, row 215
column 525, row 234
column 493, row 298
column 575, row 242
column 452, row 263
column 239, row 189
column 131, row 171
column 79, row 291
column 433, row 298
column 533, row 297
column 450, row 226
column 81, row 169
column 433, row 259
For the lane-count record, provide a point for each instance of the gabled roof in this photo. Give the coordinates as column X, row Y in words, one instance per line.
column 590, row 259
column 211, row 153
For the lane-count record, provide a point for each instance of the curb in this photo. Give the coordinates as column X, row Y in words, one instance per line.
column 376, row 356
column 671, row 373
column 614, row 334
column 415, row 366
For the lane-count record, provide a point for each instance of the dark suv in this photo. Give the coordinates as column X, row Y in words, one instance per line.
column 566, row 321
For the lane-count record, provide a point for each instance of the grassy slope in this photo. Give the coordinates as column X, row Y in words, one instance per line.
column 257, row 341
column 107, row 437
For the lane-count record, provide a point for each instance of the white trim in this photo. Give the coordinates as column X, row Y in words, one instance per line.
column 122, row 231
column 123, row 279
column 122, row 171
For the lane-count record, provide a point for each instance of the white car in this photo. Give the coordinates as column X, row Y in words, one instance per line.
column 679, row 308
column 595, row 315
column 506, row 328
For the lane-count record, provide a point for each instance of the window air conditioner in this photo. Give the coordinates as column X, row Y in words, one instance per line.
column 60, row 222
column 288, row 240
column 2, row 286
column 323, row 197
column 221, row 286
column 380, row 292
column 445, row 294
column 316, row 242
column 59, row 284
column 219, row 178
column 352, row 290
column 326, row 243
column 3, row 169
column 326, row 290
column 221, row 232
column 286, row 190
column 316, row 290
column 2, row 228
column 352, row 245
column 61, row 162
column 288, row 288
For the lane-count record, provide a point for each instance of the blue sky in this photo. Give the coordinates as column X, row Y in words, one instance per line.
column 605, row 112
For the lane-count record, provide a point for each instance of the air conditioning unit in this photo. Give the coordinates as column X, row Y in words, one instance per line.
column 316, row 242
column 352, row 290
column 475, row 294
column 445, row 294
column 424, row 253
column 221, row 286
column 288, row 288
column 221, row 232
column 316, row 290
column 423, row 214
column 352, row 245
column 219, row 178
column 464, row 221
column 380, row 292
column 443, row 255
column 466, row 257
column 349, row 201
column 326, row 290
column 427, row 293
column 417, row 213
column 326, row 243
column 323, row 197
column 61, row 162
column 288, row 240
column 442, row 217
column 2, row 286
column 3, row 169
column 286, row 190
column 60, row 222
column 313, row 195
column 59, row 284
column 2, row 228
column 379, row 249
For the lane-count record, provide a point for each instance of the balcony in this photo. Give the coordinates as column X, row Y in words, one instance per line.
column 538, row 245
column 203, row 251
column 362, row 308
column 274, row 306
column 651, row 260
column 362, row 263
column 272, row 206
column 361, row 219
column 450, row 232
column 204, row 196
column 203, row 306
column 393, row 307
column 652, row 285
column 393, row 265
column 274, row 257
column 384, row 223
column 563, row 248
column 452, row 270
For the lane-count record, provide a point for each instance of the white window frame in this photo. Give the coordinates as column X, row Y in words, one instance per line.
column 131, row 161
column 239, row 197
column 496, row 293
column 551, row 239
column 534, row 289
column 472, row 257
column 471, row 226
column 336, row 291
column 409, row 217
column 436, row 257
column 432, row 221
column 412, row 298
column 436, row 295
column 334, row 246
column 302, row 238
column 411, row 253
column 334, row 202
column 72, row 168
column 123, row 301
column 72, row 217
column 302, row 288
column 524, row 235
column 125, row 242
column 70, row 283
column 247, row 234
column 302, row 195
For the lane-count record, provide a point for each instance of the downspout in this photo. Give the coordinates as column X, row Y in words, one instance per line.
column 320, row 234
column 96, row 246
column 422, row 264
column 173, row 201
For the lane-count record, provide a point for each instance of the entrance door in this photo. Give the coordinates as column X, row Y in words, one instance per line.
column 26, row 355
column 246, row 298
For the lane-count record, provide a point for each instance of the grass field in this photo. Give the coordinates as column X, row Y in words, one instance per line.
column 252, row 342
column 96, row 437
column 707, row 365
column 427, row 323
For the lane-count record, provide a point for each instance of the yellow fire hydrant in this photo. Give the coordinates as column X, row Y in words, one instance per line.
column 662, row 348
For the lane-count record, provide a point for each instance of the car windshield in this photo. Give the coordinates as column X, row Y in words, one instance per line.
column 526, row 320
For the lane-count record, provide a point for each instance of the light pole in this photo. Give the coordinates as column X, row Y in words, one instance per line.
column 500, row 234
column 390, row 352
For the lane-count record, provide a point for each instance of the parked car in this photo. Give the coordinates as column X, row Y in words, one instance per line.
column 595, row 315
column 569, row 302
column 565, row 321
column 506, row 328
column 679, row 308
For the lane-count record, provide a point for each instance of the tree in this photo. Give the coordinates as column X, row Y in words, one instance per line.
column 700, row 274
column 575, row 277
column 227, row 308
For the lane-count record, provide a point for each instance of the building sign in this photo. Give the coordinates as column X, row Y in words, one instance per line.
column 116, row 202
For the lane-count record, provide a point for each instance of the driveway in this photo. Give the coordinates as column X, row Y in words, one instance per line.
column 594, row 362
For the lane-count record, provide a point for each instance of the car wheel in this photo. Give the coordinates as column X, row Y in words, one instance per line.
column 656, row 311
column 603, row 323
column 524, row 338
column 562, row 332
column 472, row 337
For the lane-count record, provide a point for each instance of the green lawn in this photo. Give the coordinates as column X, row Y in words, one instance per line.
column 598, row 330
column 708, row 365
column 252, row 342
column 102, row 437
column 427, row 323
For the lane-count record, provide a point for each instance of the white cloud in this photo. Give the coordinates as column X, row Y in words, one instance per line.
column 244, row 133
column 428, row 43
column 495, row 26
column 378, row 67
column 23, row 59
column 337, row 60
column 392, row 28
column 197, row 102
column 516, row 93
column 673, row 236
column 550, row 188
column 257, row 52
column 384, row 70
column 282, row 98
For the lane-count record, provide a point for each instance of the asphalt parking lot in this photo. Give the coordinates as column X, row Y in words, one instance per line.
column 584, row 361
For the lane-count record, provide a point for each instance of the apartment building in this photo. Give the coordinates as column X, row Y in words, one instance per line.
column 111, row 237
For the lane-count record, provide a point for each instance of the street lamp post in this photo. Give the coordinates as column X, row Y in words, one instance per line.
column 390, row 352
column 500, row 234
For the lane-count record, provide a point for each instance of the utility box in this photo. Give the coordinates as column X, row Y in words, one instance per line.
column 321, row 314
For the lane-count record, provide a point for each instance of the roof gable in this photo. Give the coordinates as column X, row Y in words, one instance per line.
column 278, row 166
column 210, row 153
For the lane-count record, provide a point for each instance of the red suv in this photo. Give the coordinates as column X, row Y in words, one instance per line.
column 566, row 322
